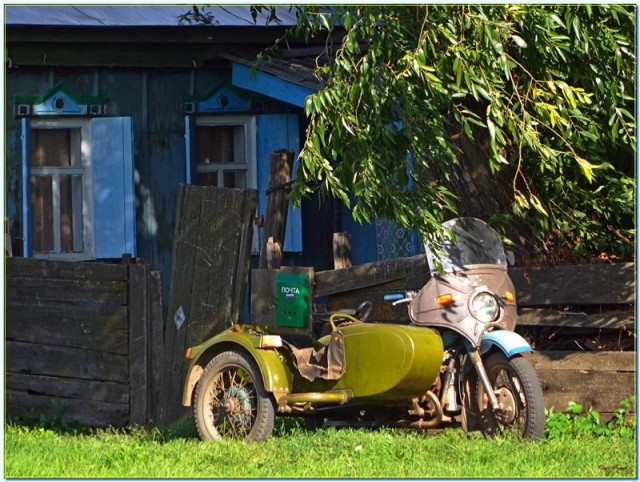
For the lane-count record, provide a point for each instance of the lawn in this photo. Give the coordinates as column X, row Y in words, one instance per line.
column 292, row 452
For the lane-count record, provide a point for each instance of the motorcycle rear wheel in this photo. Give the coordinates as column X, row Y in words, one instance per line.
column 517, row 388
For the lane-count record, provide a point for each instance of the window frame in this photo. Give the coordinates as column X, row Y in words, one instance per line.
column 85, row 169
column 248, row 122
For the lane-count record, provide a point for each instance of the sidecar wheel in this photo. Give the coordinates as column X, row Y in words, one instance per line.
column 231, row 402
column 518, row 390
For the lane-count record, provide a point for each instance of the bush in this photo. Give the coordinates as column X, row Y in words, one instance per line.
column 573, row 422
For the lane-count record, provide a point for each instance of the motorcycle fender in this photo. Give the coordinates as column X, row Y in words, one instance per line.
column 509, row 342
column 276, row 377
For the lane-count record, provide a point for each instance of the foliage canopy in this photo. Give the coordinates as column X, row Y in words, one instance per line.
column 544, row 94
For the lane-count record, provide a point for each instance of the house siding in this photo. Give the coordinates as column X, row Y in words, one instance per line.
column 152, row 98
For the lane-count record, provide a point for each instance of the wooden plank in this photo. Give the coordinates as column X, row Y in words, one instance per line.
column 281, row 163
column 90, row 413
column 186, row 229
column 381, row 312
column 81, row 329
column 341, row 250
column 263, row 297
column 600, row 380
column 602, row 391
column 98, row 391
column 591, row 284
column 156, row 344
column 93, row 291
column 244, row 253
column 546, row 317
column 214, row 264
column 38, row 359
column 562, row 285
column 82, row 316
column 138, row 343
column 369, row 274
column 527, row 316
column 622, row 361
column 221, row 261
column 209, row 254
column 39, row 268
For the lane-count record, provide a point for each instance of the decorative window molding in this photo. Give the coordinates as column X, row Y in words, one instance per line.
column 60, row 100
column 221, row 100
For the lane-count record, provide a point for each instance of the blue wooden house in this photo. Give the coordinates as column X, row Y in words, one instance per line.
column 110, row 108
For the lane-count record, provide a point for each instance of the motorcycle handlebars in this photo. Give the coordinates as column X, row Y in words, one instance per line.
column 399, row 298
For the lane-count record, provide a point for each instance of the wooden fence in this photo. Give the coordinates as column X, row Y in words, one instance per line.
column 83, row 341
column 86, row 341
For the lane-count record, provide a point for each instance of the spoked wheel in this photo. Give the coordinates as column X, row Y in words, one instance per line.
column 231, row 402
column 518, row 391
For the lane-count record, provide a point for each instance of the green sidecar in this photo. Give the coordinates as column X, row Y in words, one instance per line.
column 241, row 378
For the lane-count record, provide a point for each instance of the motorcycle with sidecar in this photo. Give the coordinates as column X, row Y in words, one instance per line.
column 458, row 361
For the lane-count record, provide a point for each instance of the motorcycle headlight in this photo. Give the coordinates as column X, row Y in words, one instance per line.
column 484, row 307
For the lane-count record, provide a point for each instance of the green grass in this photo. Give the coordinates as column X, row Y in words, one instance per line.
column 292, row 452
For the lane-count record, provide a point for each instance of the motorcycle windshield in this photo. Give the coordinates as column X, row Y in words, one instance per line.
column 473, row 242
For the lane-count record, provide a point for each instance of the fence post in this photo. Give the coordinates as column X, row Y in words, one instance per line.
column 281, row 163
column 138, row 343
column 341, row 250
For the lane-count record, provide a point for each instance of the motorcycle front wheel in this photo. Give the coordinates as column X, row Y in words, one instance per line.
column 517, row 388
column 231, row 402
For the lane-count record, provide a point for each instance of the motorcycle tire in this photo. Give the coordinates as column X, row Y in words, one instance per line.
column 518, row 390
column 231, row 401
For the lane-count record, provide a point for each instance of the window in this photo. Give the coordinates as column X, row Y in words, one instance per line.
column 233, row 150
column 59, row 175
column 225, row 152
column 78, row 197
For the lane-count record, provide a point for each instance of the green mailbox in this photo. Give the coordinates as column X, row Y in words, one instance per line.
column 293, row 300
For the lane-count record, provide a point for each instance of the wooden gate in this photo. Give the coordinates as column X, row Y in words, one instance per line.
column 212, row 249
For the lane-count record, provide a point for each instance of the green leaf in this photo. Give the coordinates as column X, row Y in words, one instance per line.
column 492, row 128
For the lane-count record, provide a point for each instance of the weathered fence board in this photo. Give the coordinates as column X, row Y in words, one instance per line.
column 66, row 362
column 86, row 412
column 587, row 284
column 38, row 268
column 598, row 380
column 72, row 326
column 97, row 391
column 615, row 285
column 69, row 290
column 280, row 164
column 211, row 255
column 548, row 317
column 369, row 274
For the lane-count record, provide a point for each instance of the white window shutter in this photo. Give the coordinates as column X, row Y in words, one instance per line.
column 113, row 187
